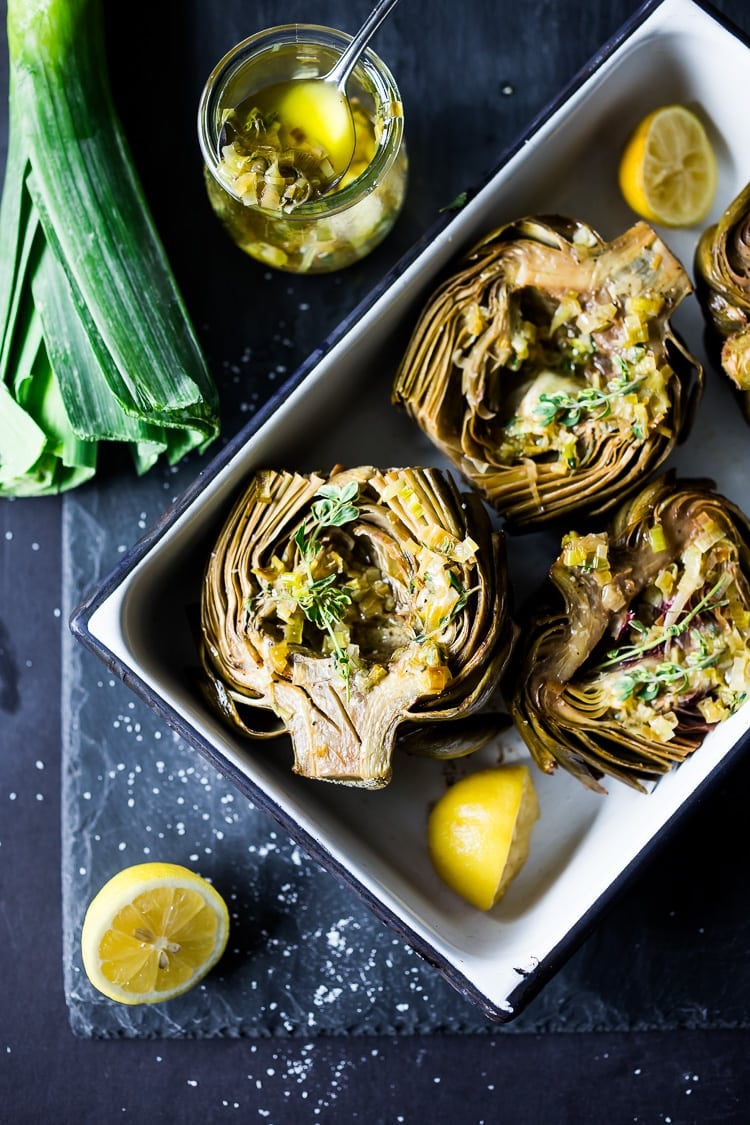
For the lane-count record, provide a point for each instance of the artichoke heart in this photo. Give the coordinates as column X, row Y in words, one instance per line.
column 355, row 607
column 641, row 643
column 722, row 278
column 546, row 370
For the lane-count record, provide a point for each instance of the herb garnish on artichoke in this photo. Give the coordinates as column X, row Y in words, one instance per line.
column 546, row 370
column 644, row 644
column 358, row 608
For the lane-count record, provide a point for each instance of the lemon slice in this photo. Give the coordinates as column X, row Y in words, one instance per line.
column 152, row 932
column 667, row 170
column 479, row 832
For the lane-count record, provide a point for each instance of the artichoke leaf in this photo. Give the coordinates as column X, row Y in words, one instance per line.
column 640, row 641
column 353, row 603
column 452, row 740
column 546, row 369
column 722, row 272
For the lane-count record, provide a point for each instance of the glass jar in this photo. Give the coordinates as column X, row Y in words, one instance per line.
column 338, row 228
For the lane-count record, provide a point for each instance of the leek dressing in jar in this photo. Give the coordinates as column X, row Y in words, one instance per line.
column 267, row 184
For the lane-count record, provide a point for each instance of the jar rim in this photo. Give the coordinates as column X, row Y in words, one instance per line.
column 370, row 64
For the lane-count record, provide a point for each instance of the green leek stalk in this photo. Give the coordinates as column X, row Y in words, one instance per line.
column 95, row 341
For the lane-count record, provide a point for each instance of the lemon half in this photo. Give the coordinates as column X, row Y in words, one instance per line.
column 152, row 932
column 668, row 171
column 479, row 832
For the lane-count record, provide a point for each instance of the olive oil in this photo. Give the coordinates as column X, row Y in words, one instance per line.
column 274, row 136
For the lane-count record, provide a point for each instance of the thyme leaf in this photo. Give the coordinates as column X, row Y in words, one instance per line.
column 323, row 602
column 660, row 635
column 567, row 409
column 646, row 683
column 334, row 507
column 457, row 203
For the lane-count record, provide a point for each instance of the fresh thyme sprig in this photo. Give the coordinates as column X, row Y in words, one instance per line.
column 323, row 603
column 321, row 600
column 660, row 635
column 646, row 683
column 334, row 508
column 567, row 409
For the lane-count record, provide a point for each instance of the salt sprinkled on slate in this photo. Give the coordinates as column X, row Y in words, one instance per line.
column 304, row 954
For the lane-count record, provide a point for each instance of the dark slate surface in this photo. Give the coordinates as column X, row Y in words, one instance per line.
column 683, row 927
column 306, row 957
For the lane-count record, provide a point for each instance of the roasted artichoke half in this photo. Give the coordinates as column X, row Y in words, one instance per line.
column 722, row 278
column 644, row 641
column 357, row 608
column 546, row 370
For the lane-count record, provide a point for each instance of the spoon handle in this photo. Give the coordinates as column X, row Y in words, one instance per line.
column 341, row 70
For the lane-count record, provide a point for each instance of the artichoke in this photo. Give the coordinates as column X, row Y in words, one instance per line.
column 722, row 275
column 546, row 369
column 357, row 609
column 643, row 641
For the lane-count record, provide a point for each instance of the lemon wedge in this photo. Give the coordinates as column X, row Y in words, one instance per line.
column 152, row 932
column 479, row 832
column 667, row 171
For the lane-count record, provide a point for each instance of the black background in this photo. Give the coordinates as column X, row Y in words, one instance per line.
column 472, row 75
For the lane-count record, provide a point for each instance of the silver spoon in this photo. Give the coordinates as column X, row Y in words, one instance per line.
column 338, row 75
column 327, row 95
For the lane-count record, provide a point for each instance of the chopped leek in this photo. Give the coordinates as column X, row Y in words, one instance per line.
column 95, row 341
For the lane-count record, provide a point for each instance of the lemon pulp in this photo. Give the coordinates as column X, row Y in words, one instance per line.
column 667, row 172
column 479, row 832
column 152, row 932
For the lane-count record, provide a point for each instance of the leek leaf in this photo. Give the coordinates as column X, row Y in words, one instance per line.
column 96, row 343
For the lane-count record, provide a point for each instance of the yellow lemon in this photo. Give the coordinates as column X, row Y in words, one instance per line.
column 667, row 171
column 152, row 932
column 479, row 832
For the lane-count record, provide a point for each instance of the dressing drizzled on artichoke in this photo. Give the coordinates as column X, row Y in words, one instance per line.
column 359, row 609
column 643, row 643
column 546, row 369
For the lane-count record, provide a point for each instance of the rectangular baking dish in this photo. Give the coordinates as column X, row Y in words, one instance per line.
column 337, row 409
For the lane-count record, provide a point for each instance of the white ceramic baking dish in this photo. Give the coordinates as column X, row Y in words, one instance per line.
column 337, row 409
